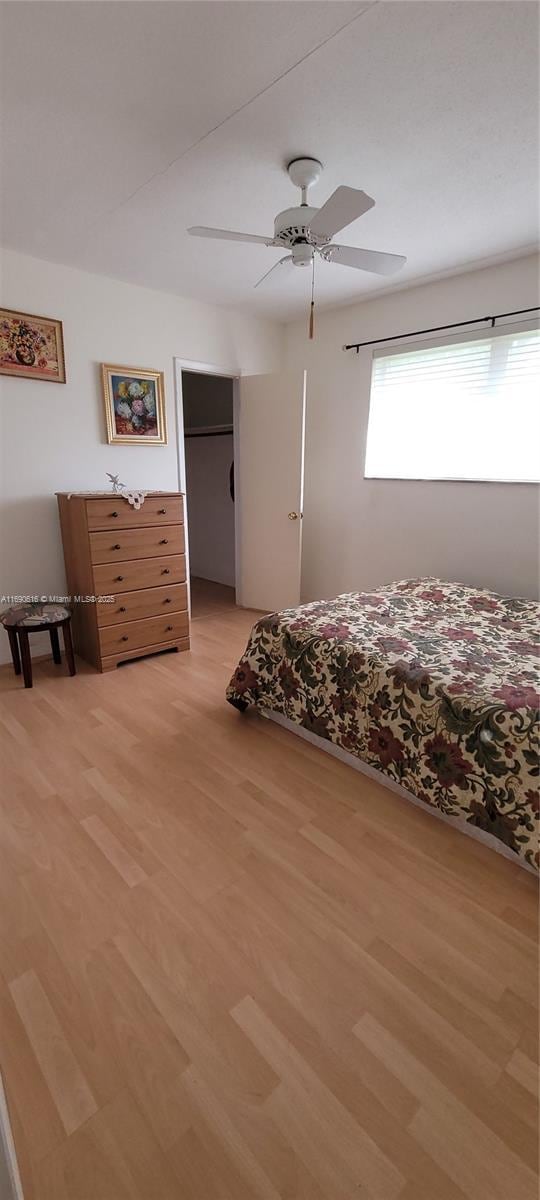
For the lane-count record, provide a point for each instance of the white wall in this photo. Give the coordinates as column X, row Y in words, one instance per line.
column 210, row 508
column 52, row 436
column 359, row 533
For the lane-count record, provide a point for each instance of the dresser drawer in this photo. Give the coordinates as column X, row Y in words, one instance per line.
column 148, row 541
column 148, row 602
column 113, row 512
column 132, row 635
column 111, row 578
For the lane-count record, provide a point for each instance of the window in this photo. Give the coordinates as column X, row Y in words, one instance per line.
column 469, row 409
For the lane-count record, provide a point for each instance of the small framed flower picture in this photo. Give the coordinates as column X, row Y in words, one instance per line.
column 134, row 405
column 32, row 347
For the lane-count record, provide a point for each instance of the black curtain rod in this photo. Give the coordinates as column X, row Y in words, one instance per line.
column 439, row 328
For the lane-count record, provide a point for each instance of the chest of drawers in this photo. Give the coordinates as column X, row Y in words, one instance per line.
column 126, row 573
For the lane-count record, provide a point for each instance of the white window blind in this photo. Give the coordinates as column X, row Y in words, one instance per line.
column 467, row 409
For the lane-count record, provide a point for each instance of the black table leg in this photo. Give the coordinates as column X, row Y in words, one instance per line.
column 25, row 655
column 68, row 644
column 14, row 647
column 55, row 645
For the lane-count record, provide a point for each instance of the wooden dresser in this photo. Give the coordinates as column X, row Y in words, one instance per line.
column 136, row 557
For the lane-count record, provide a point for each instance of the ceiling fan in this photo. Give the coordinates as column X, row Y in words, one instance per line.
column 307, row 231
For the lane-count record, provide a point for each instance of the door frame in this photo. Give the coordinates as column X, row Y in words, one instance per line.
column 234, row 373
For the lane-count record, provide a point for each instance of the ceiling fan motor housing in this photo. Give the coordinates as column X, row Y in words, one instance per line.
column 291, row 228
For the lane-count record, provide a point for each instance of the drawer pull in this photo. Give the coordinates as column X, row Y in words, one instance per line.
column 162, row 511
column 119, row 579
column 164, row 542
column 124, row 638
column 114, row 514
column 122, row 608
column 117, row 546
column 167, row 628
column 167, row 600
column 165, row 571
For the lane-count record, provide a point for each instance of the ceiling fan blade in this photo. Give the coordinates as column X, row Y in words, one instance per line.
column 365, row 260
column 342, row 207
column 228, row 235
column 288, row 259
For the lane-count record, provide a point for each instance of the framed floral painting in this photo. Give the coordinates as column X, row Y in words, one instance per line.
column 32, row 347
column 134, row 405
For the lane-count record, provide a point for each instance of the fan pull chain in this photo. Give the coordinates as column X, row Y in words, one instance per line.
column 312, row 305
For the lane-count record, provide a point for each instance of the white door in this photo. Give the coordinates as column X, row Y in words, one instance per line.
column 269, row 489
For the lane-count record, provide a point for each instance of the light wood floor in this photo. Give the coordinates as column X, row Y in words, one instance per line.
column 209, row 599
column 234, row 969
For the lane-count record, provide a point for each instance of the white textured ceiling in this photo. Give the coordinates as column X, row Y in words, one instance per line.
column 124, row 123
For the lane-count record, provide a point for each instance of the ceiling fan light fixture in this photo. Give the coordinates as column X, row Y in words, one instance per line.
column 302, row 255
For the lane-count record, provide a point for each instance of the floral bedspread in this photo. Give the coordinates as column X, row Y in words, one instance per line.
column 434, row 684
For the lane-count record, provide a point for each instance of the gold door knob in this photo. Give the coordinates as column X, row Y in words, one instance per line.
column 293, row 516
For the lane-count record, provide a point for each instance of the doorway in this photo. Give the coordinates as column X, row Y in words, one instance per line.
column 208, row 408
column 265, row 505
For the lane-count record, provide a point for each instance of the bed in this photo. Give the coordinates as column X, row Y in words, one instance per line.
column 432, row 684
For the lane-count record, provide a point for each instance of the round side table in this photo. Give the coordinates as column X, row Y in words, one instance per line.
column 23, row 619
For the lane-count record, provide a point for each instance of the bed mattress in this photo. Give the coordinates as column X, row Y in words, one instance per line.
column 434, row 684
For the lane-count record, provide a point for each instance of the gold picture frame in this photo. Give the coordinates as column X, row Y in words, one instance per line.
column 134, row 405
column 31, row 347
